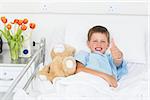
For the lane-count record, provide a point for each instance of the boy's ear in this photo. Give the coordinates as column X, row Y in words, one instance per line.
column 108, row 45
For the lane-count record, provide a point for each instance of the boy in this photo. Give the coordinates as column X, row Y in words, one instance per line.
column 110, row 67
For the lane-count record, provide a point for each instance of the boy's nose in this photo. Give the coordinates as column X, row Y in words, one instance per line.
column 98, row 44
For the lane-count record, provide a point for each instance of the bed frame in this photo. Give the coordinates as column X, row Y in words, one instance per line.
column 133, row 68
column 37, row 58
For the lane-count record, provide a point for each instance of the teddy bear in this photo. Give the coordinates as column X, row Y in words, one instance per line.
column 63, row 63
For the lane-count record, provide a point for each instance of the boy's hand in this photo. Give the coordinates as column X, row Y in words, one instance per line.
column 111, row 81
column 116, row 53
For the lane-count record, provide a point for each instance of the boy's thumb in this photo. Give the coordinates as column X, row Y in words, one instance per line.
column 112, row 44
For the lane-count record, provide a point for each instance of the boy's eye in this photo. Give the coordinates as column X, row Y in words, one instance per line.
column 103, row 41
column 95, row 41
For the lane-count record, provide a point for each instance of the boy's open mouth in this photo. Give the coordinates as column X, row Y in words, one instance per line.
column 98, row 49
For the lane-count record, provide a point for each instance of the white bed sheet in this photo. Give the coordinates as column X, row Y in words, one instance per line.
column 132, row 86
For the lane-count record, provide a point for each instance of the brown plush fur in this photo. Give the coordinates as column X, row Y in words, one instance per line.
column 57, row 68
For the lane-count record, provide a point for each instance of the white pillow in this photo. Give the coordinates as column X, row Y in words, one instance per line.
column 77, row 37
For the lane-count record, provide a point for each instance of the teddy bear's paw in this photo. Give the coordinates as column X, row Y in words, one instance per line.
column 41, row 68
column 69, row 62
column 56, row 79
column 42, row 77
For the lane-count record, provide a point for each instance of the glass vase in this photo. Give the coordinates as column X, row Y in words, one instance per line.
column 14, row 51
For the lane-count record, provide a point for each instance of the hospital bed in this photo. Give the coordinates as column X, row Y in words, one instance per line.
column 132, row 86
column 129, row 32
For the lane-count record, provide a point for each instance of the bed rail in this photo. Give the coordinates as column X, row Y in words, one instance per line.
column 42, row 45
column 39, row 53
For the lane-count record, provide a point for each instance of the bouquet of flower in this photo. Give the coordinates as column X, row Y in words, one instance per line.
column 13, row 32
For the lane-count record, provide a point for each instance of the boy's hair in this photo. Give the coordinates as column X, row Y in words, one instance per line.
column 99, row 29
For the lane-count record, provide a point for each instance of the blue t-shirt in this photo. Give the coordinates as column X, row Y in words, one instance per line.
column 102, row 62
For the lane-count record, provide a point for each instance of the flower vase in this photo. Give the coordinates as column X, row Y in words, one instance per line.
column 14, row 51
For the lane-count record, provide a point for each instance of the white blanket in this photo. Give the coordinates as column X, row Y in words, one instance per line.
column 84, row 86
column 76, row 86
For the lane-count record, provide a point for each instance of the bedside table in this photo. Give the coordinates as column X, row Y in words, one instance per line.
column 9, row 70
column 18, row 74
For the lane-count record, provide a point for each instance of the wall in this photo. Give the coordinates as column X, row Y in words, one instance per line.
column 126, row 21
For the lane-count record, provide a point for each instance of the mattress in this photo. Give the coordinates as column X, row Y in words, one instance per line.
column 131, row 86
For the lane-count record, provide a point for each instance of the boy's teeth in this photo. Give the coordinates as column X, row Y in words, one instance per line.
column 98, row 49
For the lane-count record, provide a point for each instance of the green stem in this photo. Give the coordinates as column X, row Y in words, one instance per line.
column 14, row 51
column 3, row 33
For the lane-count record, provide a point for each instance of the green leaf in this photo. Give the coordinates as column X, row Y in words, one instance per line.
column 7, row 32
column 12, row 44
column 22, row 39
column 3, row 33
column 17, row 46
column 19, row 31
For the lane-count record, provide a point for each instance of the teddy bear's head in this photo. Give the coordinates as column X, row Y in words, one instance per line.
column 63, row 63
column 62, row 50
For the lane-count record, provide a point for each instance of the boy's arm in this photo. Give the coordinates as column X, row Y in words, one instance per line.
column 110, row 79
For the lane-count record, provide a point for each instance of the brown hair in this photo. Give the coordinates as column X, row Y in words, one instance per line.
column 100, row 29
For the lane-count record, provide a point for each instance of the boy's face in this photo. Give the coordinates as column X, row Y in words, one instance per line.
column 98, row 42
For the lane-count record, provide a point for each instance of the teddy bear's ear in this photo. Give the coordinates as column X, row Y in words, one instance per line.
column 57, row 50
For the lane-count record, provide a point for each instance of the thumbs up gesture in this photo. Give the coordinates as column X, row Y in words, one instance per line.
column 116, row 53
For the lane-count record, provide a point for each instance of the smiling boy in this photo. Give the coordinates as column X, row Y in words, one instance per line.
column 110, row 67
